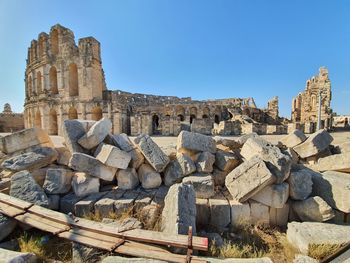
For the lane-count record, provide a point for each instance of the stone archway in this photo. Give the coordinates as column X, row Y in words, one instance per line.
column 155, row 124
column 53, row 80
column 72, row 113
column 53, row 125
column 73, row 80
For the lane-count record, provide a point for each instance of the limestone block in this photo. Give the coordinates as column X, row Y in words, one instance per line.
column 220, row 213
column 85, row 163
column 336, row 162
column 54, row 202
column 334, row 188
column 152, row 152
column 219, row 177
column 127, row 179
column 173, row 173
column 73, row 130
column 300, row 183
column 203, row 212
column 259, row 213
column 84, row 184
column 278, row 163
column 96, row 134
column 24, row 139
column 58, row 181
column 313, row 209
column 275, row 195
column 150, row 214
column 23, row 186
column 68, row 202
column 240, row 213
column 316, row 143
column 124, row 204
column 303, row 235
column 229, row 143
column 279, row 216
column 10, row 256
column 114, row 157
column 7, row 225
column 205, row 162
column 186, row 163
column 160, row 194
column 195, row 142
column 203, row 184
column 149, row 177
column 105, row 205
column 344, row 147
column 226, row 161
column 86, row 206
column 293, row 139
column 63, row 156
column 36, row 159
column 124, row 143
column 179, row 210
column 248, row 179
column 304, row 259
column 39, row 175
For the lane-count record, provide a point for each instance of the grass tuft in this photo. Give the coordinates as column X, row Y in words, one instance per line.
column 322, row 251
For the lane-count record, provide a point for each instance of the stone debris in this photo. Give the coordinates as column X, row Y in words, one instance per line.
column 195, row 142
column 149, row 177
column 96, row 134
column 294, row 138
column 336, row 162
column 58, row 181
column 152, row 152
column 205, row 161
column 83, row 184
column 300, row 183
column 114, row 157
column 127, row 179
column 274, row 196
column 124, row 143
column 14, row 257
column 173, row 173
column 226, row 161
column 303, row 235
column 316, row 143
column 203, row 184
column 313, row 209
column 186, row 163
column 7, row 225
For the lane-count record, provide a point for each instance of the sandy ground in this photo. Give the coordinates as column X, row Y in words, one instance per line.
column 168, row 143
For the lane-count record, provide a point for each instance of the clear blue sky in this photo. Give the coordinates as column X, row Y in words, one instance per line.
column 198, row 48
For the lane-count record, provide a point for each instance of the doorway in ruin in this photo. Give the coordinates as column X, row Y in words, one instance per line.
column 53, row 80
column 346, row 122
column 37, row 121
column 73, row 80
column 155, row 125
column 192, row 117
column 72, row 113
column 53, row 126
column 180, row 117
column 216, row 119
column 96, row 114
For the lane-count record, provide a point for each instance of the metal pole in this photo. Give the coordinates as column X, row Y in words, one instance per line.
column 319, row 111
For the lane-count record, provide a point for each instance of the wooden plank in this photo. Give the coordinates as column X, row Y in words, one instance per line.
column 15, row 202
column 147, row 251
column 10, row 210
column 97, row 236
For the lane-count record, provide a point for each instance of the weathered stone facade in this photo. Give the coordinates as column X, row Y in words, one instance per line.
column 10, row 121
column 305, row 105
column 66, row 81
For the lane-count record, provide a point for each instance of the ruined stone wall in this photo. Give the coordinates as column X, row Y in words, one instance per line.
column 305, row 105
column 10, row 121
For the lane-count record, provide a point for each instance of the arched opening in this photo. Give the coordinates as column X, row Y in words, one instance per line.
column 167, row 117
column 313, row 102
column 180, row 110
column 96, row 114
column 54, row 42
column 155, row 124
column 180, row 117
column 204, row 116
column 37, row 121
column 216, row 119
column 38, row 83
column 53, row 126
column 72, row 113
column 192, row 117
column 30, row 86
column 73, row 80
column 206, row 111
column 53, row 80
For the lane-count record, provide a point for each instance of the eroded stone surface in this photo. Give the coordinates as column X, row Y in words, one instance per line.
column 96, row 134
column 313, row 209
column 84, row 184
column 58, row 181
column 196, row 142
column 203, row 184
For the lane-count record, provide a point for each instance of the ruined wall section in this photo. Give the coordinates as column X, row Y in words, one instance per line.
column 10, row 121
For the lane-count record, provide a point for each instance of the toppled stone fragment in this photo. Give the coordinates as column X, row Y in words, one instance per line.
column 84, row 184
column 73, row 130
column 7, row 225
column 24, row 139
column 58, row 181
column 336, row 162
column 304, row 235
column 294, row 138
column 186, row 163
column 248, row 179
column 313, row 209
column 195, row 142
column 259, row 213
column 274, row 195
column 173, row 173
column 153, row 154
column 334, row 188
column 226, row 161
column 127, row 179
column 114, row 157
column 64, row 155
column 10, row 256
column 203, row 184
column 149, row 177
column 35, row 159
column 96, row 134
column 124, row 143
column 23, row 186
column 179, row 210
column 205, row 162
column 85, row 163
column 300, row 183
column 316, row 143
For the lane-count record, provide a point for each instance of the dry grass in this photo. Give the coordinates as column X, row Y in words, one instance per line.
column 230, row 250
column 322, row 251
column 93, row 216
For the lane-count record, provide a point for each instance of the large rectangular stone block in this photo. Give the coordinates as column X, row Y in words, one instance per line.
column 259, row 213
column 294, row 138
column 73, row 130
column 220, row 213
column 336, row 162
column 279, row 216
column 240, row 213
column 195, row 142
column 203, row 212
column 248, row 179
column 96, row 134
column 275, row 195
column 86, row 206
column 114, row 157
